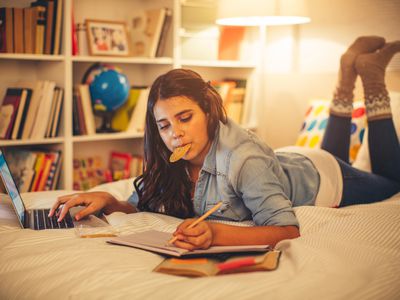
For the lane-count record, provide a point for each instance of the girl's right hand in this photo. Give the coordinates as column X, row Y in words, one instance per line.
column 94, row 201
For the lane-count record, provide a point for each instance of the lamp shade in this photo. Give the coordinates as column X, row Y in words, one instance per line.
column 261, row 12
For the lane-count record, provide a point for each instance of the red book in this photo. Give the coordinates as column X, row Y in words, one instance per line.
column 8, row 111
column 229, row 42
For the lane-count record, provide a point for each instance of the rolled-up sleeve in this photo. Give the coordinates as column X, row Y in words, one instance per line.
column 263, row 193
column 133, row 199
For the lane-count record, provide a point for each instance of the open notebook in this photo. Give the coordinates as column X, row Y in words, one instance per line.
column 157, row 241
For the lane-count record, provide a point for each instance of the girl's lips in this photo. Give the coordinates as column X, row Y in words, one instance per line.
column 179, row 152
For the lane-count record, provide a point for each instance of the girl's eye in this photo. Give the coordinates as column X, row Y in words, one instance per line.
column 186, row 119
column 162, row 127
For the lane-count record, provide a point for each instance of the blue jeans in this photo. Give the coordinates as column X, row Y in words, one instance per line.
column 361, row 187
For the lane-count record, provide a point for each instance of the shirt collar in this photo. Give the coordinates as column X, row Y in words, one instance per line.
column 209, row 164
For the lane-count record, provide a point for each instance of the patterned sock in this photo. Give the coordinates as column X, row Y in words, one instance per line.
column 371, row 68
column 342, row 103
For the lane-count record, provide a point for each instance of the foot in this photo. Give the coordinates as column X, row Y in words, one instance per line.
column 371, row 66
column 364, row 44
column 342, row 102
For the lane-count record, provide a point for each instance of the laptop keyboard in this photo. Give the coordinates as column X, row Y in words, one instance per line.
column 43, row 221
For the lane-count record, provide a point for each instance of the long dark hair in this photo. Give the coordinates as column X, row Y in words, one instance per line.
column 166, row 187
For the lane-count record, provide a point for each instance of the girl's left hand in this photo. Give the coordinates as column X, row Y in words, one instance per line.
column 198, row 237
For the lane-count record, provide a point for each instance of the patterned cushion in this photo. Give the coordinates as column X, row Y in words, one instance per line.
column 316, row 120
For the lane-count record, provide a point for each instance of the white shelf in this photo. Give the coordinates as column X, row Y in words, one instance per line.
column 7, row 143
column 125, row 60
column 107, row 137
column 218, row 64
column 39, row 57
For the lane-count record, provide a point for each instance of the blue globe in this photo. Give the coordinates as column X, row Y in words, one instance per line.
column 109, row 89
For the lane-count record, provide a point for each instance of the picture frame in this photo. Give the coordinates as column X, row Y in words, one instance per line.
column 107, row 37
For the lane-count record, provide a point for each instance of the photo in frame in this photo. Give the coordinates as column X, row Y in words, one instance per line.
column 107, row 38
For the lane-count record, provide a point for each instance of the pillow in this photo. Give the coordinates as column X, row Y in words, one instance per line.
column 316, row 120
column 362, row 161
column 120, row 189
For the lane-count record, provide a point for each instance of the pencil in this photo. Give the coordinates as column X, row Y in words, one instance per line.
column 173, row 240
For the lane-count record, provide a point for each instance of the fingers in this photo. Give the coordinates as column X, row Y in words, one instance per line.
column 75, row 200
column 191, row 243
column 91, row 209
column 60, row 200
column 198, row 237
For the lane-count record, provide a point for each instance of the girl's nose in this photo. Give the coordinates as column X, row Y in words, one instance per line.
column 177, row 132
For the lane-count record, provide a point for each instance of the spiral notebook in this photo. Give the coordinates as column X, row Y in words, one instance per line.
column 157, row 241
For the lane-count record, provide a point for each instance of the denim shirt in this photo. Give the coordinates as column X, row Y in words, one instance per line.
column 251, row 180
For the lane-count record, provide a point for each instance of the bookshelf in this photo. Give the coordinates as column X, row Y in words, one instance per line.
column 67, row 70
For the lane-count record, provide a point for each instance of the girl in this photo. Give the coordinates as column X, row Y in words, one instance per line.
column 223, row 162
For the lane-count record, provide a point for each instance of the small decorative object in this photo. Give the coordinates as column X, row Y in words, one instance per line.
column 109, row 90
column 107, row 38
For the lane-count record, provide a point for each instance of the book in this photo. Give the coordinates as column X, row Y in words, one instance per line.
column 29, row 29
column 164, row 33
column 120, row 165
column 136, row 165
column 18, row 30
column 39, row 129
column 146, row 31
column 122, row 115
column 219, row 265
column 88, row 172
column 229, row 42
column 75, row 114
column 37, row 94
column 6, row 30
column 52, row 112
column 88, row 115
column 55, row 159
column 57, row 27
column 234, row 105
column 40, row 11
column 49, row 27
column 58, row 112
column 22, row 164
column 157, row 241
column 137, row 121
column 81, row 116
column 54, row 180
column 224, row 89
column 8, row 111
column 45, row 171
column 38, row 168
column 21, row 114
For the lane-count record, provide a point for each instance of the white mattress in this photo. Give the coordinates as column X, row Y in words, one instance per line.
column 347, row 253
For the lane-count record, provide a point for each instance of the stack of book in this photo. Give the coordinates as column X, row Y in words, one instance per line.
column 83, row 116
column 149, row 32
column 31, row 111
column 233, row 94
column 35, row 29
column 125, row 165
column 34, row 170
column 92, row 171
column 129, row 117
column 89, row 172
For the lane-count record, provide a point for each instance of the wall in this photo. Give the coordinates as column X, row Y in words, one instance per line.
column 302, row 61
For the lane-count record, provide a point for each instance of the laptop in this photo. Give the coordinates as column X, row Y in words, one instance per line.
column 38, row 219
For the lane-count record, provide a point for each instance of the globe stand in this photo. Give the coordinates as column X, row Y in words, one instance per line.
column 106, row 117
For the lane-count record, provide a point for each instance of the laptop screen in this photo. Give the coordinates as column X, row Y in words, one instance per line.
column 11, row 188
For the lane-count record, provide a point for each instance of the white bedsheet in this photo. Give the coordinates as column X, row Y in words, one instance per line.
column 347, row 253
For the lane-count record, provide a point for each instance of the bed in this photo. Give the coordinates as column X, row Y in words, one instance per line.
column 347, row 253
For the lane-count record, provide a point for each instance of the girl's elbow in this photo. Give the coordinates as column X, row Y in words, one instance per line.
column 293, row 232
